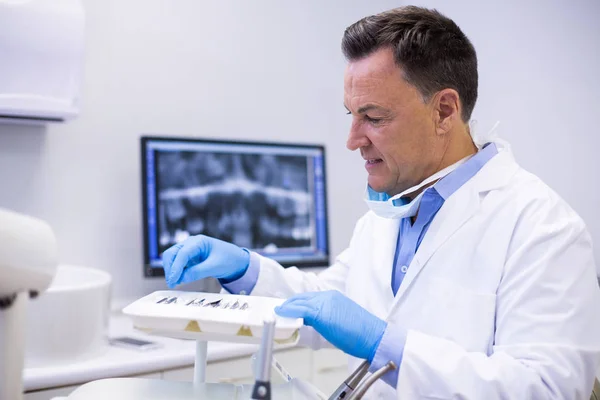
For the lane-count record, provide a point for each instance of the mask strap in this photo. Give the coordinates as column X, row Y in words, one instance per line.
column 481, row 140
column 432, row 178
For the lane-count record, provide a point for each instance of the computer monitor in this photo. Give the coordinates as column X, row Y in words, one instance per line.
column 267, row 197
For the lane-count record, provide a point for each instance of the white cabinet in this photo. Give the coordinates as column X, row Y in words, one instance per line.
column 179, row 374
column 329, row 369
column 154, row 375
column 239, row 370
column 48, row 394
column 235, row 370
column 65, row 391
column 230, row 371
column 297, row 362
column 326, row 369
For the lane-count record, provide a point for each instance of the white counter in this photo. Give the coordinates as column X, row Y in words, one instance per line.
column 115, row 361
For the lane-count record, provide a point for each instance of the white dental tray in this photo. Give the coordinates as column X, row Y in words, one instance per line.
column 210, row 316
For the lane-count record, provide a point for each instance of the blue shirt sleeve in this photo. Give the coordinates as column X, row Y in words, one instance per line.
column 244, row 284
column 391, row 348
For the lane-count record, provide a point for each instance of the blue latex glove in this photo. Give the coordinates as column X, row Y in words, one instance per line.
column 200, row 257
column 341, row 321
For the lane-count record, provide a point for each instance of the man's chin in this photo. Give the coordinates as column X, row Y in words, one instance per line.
column 378, row 186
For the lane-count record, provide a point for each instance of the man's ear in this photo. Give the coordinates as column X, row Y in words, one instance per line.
column 447, row 109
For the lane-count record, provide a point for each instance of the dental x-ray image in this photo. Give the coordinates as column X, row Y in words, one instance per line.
column 258, row 201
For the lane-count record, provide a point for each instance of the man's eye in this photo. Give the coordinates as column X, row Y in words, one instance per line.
column 372, row 120
column 348, row 112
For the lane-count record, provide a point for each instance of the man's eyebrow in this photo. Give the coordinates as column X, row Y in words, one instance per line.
column 366, row 108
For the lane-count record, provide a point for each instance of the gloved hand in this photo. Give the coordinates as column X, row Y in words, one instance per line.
column 200, row 257
column 341, row 321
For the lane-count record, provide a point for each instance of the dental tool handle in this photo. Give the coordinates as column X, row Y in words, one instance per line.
column 351, row 382
column 366, row 384
column 262, row 385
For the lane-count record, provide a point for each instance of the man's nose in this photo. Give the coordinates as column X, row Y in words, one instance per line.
column 356, row 138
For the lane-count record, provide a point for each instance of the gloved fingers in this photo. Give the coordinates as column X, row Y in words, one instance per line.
column 194, row 274
column 304, row 299
column 307, row 308
column 298, row 309
column 182, row 258
column 168, row 257
column 302, row 296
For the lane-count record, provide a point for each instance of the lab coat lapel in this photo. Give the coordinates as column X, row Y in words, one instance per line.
column 384, row 248
column 456, row 211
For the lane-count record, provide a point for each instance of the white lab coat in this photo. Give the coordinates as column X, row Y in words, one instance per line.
column 500, row 301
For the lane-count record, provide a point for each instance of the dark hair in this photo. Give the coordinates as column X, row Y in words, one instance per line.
column 429, row 47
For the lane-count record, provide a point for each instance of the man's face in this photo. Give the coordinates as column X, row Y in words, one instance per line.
column 391, row 125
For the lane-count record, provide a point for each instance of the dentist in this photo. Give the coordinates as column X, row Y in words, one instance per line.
column 468, row 272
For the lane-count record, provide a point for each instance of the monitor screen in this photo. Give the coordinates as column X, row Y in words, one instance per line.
column 267, row 197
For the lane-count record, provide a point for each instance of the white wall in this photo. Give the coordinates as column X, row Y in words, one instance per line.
column 251, row 70
column 273, row 70
column 539, row 68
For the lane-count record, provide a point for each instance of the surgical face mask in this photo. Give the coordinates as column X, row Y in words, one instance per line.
column 396, row 207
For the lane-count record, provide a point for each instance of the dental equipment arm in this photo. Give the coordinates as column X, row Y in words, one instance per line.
column 367, row 383
column 351, row 383
column 262, row 386
column 28, row 260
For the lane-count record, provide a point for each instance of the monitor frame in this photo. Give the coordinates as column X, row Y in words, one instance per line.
column 149, row 270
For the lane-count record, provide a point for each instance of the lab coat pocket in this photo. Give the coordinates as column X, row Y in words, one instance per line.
column 460, row 314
